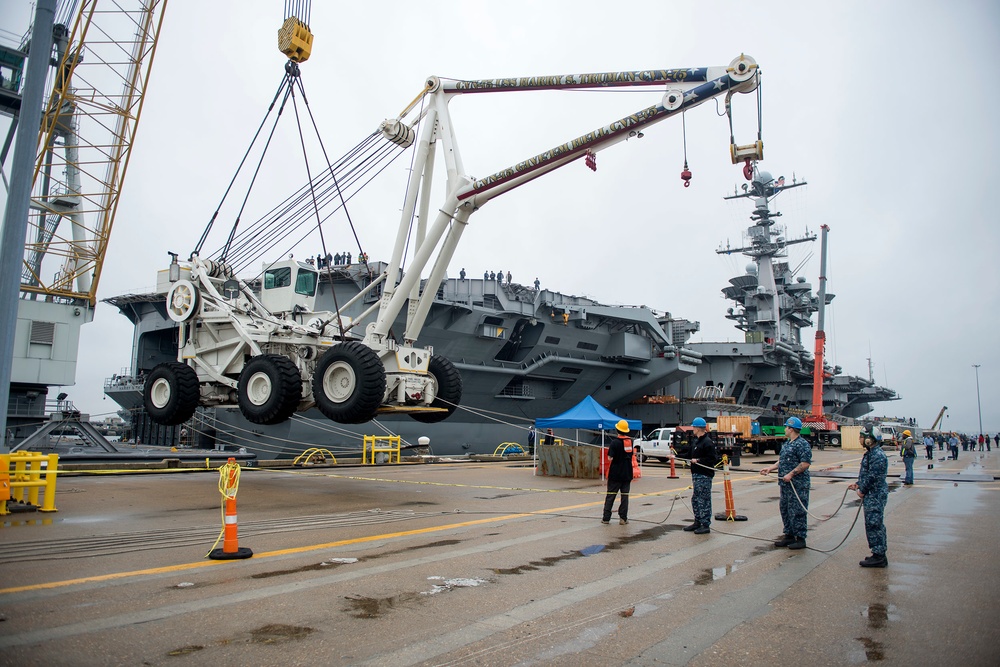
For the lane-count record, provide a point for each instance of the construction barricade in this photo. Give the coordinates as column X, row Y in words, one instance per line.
column 372, row 446
column 20, row 471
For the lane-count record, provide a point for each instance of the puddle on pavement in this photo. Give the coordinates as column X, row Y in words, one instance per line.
column 365, row 607
column 874, row 651
column 185, row 650
column 879, row 614
column 279, row 634
column 645, row 535
column 711, row 574
column 32, row 522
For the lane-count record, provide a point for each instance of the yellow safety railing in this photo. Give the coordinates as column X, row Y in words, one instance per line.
column 507, row 448
column 313, row 456
column 371, row 444
column 23, row 470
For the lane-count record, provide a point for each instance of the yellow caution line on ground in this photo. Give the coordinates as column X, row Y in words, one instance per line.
column 182, row 567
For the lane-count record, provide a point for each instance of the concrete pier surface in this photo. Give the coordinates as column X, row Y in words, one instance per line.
column 487, row 564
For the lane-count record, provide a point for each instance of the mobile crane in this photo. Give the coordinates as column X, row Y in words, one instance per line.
column 822, row 429
column 272, row 354
column 937, row 420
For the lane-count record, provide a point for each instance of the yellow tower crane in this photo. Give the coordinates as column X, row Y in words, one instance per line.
column 102, row 55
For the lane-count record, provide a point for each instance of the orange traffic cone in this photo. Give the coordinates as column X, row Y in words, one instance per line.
column 730, row 514
column 673, row 472
column 229, row 481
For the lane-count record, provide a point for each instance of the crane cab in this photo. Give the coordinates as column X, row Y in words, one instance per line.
column 288, row 286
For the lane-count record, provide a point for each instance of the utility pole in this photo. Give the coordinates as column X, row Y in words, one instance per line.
column 15, row 220
column 978, row 401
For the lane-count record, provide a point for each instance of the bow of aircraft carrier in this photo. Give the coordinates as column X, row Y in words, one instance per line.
column 487, row 563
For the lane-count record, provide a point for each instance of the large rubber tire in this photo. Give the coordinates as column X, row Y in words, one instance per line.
column 270, row 389
column 448, row 394
column 835, row 440
column 170, row 393
column 349, row 383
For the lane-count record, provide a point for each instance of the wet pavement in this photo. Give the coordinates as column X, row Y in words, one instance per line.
column 486, row 564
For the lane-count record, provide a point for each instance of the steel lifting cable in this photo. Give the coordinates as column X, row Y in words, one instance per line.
column 340, row 194
column 239, row 168
column 272, row 225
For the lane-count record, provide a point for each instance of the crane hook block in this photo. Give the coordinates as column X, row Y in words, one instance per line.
column 686, row 176
column 295, row 40
column 754, row 151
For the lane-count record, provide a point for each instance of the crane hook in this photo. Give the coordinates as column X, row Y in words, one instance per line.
column 686, row 175
column 747, row 170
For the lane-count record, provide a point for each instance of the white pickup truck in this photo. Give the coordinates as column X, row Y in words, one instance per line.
column 656, row 444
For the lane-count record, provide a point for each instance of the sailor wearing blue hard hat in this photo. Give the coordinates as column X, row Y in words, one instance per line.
column 793, row 485
column 703, row 459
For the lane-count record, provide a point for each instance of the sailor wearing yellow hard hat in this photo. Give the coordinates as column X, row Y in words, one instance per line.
column 619, row 473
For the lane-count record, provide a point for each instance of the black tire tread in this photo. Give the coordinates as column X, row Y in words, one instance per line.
column 184, row 394
column 287, row 390
column 449, row 393
column 370, row 390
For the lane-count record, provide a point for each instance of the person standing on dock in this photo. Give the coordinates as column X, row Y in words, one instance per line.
column 793, row 484
column 929, row 446
column 619, row 474
column 909, row 453
column 953, row 446
column 703, row 457
column 874, row 492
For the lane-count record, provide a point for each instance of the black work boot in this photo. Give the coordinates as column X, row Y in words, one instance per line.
column 702, row 530
column 693, row 526
column 797, row 543
column 784, row 541
column 875, row 560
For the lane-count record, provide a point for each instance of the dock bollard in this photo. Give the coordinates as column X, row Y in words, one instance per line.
column 730, row 513
column 229, row 482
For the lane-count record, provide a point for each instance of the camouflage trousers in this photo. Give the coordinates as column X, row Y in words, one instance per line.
column 701, row 499
column 793, row 515
column 874, row 505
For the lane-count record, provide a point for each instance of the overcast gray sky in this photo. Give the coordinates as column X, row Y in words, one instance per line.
column 885, row 108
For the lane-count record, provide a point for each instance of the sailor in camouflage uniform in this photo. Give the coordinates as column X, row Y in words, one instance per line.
column 874, row 492
column 703, row 456
column 793, row 471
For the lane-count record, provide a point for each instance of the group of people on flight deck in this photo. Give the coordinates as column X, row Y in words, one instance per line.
column 793, row 485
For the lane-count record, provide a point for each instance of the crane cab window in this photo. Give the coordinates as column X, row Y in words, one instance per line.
column 274, row 278
column 305, row 283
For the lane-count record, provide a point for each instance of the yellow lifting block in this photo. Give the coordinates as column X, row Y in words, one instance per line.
column 295, row 40
column 754, row 151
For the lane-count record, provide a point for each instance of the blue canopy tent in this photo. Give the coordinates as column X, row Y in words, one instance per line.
column 588, row 414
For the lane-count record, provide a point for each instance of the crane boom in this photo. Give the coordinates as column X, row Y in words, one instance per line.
column 85, row 144
column 937, row 420
column 685, row 89
column 817, row 397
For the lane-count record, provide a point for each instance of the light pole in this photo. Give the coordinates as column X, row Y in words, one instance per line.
column 978, row 402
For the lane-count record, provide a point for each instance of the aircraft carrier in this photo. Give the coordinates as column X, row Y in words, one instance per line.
column 526, row 353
